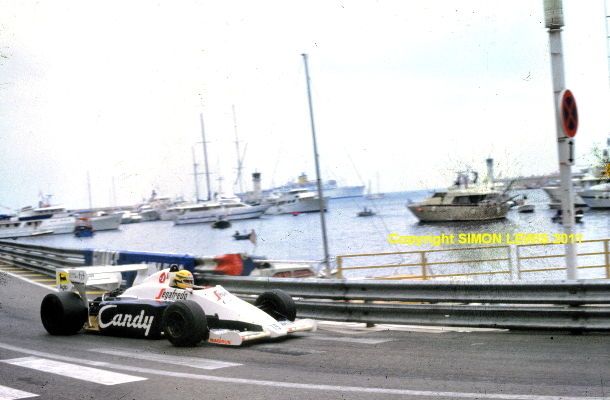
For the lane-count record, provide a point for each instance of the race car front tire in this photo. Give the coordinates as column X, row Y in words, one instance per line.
column 184, row 324
column 278, row 304
column 63, row 313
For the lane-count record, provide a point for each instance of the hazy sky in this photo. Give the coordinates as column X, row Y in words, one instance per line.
column 411, row 90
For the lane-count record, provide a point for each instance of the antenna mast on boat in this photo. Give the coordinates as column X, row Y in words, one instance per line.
column 318, row 176
column 239, row 157
column 205, row 158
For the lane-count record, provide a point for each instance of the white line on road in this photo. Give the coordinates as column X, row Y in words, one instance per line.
column 349, row 339
column 193, row 362
column 30, row 281
column 74, row 371
column 7, row 393
column 304, row 386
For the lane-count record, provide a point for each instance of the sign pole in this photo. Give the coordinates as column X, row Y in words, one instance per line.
column 553, row 13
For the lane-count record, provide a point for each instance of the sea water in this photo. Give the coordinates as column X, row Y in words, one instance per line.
column 288, row 237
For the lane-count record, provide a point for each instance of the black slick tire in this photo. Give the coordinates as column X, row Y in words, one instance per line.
column 63, row 313
column 184, row 324
column 278, row 304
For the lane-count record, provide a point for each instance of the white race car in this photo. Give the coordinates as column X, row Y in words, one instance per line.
column 151, row 308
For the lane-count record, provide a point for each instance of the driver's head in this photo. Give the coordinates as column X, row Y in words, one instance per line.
column 183, row 279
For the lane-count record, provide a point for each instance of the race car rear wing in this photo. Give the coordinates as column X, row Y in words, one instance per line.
column 105, row 277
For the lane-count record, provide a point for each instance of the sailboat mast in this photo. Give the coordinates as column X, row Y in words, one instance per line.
column 205, row 158
column 318, row 175
column 195, row 175
column 239, row 160
column 89, row 190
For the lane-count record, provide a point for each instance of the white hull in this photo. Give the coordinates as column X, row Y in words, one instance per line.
column 444, row 213
column 14, row 228
column 149, row 215
column 598, row 202
column 342, row 192
column 226, row 214
column 597, row 196
column 168, row 215
column 105, row 222
column 305, row 205
column 554, row 193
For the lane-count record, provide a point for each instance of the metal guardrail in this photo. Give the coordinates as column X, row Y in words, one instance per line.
column 575, row 306
column 41, row 258
column 564, row 293
column 550, row 305
column 511, row 261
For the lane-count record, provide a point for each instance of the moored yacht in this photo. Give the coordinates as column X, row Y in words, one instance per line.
column 462, row 202
column 580, row 185
column 597, row 196
column 227, row 209
column 472, row 204
column 38, row 221
column 101, row 221
column 296, row 201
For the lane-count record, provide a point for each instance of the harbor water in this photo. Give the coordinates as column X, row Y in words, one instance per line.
column 288, row 237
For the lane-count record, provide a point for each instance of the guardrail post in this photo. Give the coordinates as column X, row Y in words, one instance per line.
column 518, row 254
column 424, row 266
column 513, row 274
column 607, row 257
column 340, row 267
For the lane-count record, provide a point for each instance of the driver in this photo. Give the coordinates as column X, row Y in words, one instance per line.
column 182, row 279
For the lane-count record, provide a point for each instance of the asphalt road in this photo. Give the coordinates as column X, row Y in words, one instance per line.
column 337, row 362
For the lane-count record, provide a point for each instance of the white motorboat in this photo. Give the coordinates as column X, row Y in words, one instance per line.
column 227, row 209
column 38, row 221
column 105, row 222
column 101, row 221
column 296, row 201
column 148, row 213
column 130, row 217
column 597, row 196
column 170, row 213
column 580, row 184
column 583, row 180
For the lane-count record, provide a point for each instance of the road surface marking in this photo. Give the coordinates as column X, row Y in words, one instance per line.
column 192, row 362
column 73, row 371
column 349, row 339
column 31, row 281
column 7, row 393
column 304, row 386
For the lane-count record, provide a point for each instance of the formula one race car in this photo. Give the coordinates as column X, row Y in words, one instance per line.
column 165, row 304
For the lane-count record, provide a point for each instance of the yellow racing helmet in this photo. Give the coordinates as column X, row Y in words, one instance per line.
column 183, row 279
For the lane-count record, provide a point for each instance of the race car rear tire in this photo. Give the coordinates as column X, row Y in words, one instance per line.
column 63, row 313
column 184, row 324
column 278, row 304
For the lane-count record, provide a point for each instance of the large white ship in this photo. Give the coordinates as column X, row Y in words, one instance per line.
column 330, row 188
column 38, row 221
